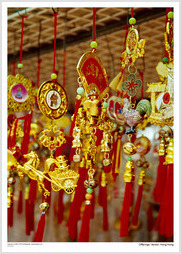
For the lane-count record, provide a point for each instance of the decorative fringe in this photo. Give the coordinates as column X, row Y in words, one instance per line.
column 20, row 202
column 160, row 181
column 117, row 153
column 126, row 210
column 164, row 222
column 137, row 206
column 74, row 214
column 40, row 229
column 60, row 206
column 27, row 217
column 85, row 226
column 77, row 105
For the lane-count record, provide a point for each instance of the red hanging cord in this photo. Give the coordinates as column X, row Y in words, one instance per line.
column 55, row 33
column 94, row 25
column 22, row 31
column 132, row 12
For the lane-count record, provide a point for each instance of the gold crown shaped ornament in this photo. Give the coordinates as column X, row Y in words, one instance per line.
column 162, row 93
column 52, row 101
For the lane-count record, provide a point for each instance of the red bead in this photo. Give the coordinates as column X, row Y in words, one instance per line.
column 166, row 98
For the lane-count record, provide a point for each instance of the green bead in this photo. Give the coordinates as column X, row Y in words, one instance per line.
column 129, row 158
column 93, row 44
column 170, row 15
column 53, row 76
column 105, row 105
column 132, row 21
column 162, row 139
column 89, row 190
column 80, row 90
column 165, row 60
column 20, row 66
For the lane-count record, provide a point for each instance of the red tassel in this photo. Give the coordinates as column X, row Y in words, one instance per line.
column 102, row 200
column 77, row 105
column 27, row 212
column 10, row 216
column 74, row 214
column 149, row 218
column 160, row 181
column 92, row 205
column 126, row 210
column 40, row 229
column 31, row 215
column 32, row 199
column 12, row 140
column 164, row 222
column 20, row 202
column 60, row 207
column 137, row 206
column 26, row 137
column 84, row 230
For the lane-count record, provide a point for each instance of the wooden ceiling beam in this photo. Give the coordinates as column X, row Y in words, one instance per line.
column 82, row 36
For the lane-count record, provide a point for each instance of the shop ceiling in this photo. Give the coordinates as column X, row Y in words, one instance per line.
column 74, row 29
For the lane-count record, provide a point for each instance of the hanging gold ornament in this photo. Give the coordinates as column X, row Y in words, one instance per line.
column 21, row 94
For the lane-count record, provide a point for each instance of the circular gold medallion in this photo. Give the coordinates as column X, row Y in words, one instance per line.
column 132, row 41
column 52, row 100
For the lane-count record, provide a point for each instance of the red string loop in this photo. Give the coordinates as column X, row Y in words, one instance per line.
column 22, row 31
column 55, row 33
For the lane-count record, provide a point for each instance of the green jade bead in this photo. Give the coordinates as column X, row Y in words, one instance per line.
column 129, row 158
column 105, row 105
column 165, row 60
column 53, row 76
column 170, row 15
column 132, row 21
column 89, row 190
column 93, row 44
column 80, row 90
column 20, row 66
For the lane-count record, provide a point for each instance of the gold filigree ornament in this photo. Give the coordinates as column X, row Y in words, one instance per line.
column 52, row 100
column 134, row 48
column 21, row 94
column 51, row 137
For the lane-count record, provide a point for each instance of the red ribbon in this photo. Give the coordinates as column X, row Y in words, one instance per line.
column 21, row 47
